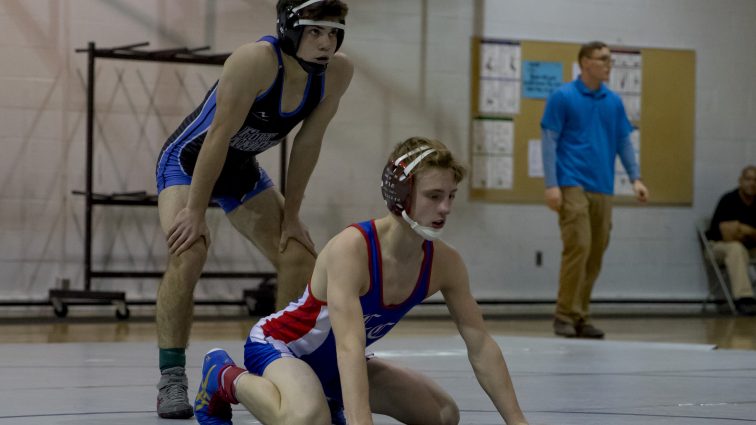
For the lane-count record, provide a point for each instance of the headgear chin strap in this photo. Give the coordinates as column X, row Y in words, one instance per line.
column 290, row 26
column 427, row 233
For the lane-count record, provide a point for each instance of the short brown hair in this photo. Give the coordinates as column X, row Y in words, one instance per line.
column 441, row 158
column 747, row 169
column 318, row 11
column 587, row 49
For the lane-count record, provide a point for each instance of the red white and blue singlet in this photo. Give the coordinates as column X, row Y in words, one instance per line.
column 303, row 329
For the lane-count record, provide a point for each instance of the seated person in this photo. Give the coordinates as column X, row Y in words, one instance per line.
column 307, row 364
column 733, row 235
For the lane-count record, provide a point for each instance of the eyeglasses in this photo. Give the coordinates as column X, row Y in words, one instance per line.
column 606, row 59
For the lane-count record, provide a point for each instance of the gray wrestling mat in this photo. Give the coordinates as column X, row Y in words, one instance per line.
column 559, row 381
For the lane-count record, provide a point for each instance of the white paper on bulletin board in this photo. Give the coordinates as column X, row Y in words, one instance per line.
column 500, row 60
column 493, row 136
column 500, row 77
column 499, row 96
column 492, row 172
column 479, row 175
column 535, row 159
column 626, row 80
column 575, row 70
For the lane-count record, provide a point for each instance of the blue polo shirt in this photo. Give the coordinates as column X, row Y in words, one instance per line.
column 591, row 125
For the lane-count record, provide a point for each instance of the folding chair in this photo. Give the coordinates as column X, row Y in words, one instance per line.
column 715, row 271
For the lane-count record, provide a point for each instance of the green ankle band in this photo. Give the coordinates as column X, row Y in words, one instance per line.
column 172, row 357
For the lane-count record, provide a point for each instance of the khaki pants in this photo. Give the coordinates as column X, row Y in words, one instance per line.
column 585, row 220
column 736, row 257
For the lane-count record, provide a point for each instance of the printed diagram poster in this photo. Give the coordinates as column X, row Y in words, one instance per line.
column 626, row 80
column 493, row 146
column 492, row 172
column 500, row 60
column 500, row 76
column 622, row 183
column 540, row 78
column 491, row 136
column 499, row 97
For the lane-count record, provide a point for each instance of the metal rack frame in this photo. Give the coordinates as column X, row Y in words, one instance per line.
column 61, row 297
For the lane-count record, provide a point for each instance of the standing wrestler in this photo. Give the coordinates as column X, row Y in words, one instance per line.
column 307, row 364
column 266, row 88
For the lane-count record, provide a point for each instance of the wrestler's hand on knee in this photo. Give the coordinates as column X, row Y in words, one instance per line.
column 187, row 227
column 295, row 229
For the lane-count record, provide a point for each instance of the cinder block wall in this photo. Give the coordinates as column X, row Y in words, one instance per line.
column 412, row 77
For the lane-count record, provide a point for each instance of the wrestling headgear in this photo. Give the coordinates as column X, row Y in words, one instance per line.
column 396, row 187
column 290, row 26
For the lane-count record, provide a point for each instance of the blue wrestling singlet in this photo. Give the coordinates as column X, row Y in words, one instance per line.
column 303, row 329
column 264, row 127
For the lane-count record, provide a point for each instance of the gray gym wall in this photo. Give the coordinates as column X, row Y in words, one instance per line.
column 412, row 77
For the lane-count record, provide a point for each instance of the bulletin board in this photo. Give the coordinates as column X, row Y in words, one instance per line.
column 510, row 82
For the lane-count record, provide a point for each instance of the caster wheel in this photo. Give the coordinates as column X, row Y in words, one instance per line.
column 122, row 313
column 61, row 311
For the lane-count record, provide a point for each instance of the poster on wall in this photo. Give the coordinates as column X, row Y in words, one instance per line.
column 493, row 136
column 492, row 172
column 626, row 80
column 499, row 97
column 540, row 78
column 493, row 147
column 500, row 59
column 500, row 76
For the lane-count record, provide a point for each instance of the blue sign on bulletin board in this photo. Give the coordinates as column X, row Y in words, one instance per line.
column 539, row 79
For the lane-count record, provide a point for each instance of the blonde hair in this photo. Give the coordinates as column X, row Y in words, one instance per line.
column 441, row 158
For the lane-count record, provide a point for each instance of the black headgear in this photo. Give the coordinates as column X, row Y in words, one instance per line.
column 290, row 26
column 397, row 179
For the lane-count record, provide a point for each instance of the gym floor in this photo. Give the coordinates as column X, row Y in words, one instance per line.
column 689, row 370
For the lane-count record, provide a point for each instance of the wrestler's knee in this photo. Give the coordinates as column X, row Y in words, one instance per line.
column 308, row 414
column 190, row 262
column 296, row 255
column 449, row 413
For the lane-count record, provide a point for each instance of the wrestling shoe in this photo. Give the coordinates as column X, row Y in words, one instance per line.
column 210, row 406
column 172, row 401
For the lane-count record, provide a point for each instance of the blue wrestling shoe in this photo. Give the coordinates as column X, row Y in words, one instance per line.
column 210, row 408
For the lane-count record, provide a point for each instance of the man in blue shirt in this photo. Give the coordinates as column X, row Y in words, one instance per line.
column 584, row 127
